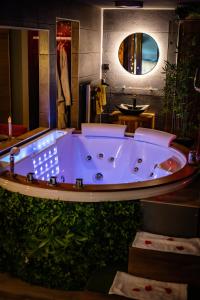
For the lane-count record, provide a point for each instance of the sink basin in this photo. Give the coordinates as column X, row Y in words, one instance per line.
column 134, row 110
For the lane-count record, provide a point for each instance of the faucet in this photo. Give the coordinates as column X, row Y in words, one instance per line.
column 13, row 152
column 134, row 102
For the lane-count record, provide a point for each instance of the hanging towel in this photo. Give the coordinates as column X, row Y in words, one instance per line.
column 99, row 108
column 146, row 240
column 64, row 76
column 100, row 98
column 61, row 123
column 146, row 289
column 103, row 94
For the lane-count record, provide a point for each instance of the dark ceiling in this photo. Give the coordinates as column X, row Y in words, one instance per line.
column 147, row 4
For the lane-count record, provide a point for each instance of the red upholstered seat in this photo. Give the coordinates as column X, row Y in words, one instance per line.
column 16, row 129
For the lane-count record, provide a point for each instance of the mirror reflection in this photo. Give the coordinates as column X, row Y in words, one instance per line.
column 138, row 53
column 24, row 79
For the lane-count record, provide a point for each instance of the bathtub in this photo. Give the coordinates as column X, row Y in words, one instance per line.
column 110, row 165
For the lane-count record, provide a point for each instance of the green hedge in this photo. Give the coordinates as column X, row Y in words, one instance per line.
column 60, row 244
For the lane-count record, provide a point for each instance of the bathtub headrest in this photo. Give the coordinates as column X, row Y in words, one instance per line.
column 154, row 136
column 108, row 130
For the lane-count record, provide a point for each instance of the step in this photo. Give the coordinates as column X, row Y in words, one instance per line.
column 135, row 287
column 158, row 265
column 15, row 289
column 169, row 266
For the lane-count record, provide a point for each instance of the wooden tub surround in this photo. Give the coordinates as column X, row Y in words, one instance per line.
column 187, row 173
column 87, row 193
column 103, row 192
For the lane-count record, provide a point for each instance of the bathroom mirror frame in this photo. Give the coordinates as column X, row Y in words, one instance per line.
column 138, row 53
column 24, row 81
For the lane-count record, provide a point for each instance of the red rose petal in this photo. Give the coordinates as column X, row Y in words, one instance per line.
column 148, row 242
column 168, row 290
column 170, row 239
column 180, row 247
column 148, row 288
column 136, row 290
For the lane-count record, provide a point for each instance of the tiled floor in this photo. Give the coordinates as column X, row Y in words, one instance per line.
column 188, row 196
column 15, row 289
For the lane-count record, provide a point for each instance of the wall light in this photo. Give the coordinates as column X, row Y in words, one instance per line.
column 129, row 3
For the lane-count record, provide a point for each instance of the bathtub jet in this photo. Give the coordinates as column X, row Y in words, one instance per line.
column 112, row 166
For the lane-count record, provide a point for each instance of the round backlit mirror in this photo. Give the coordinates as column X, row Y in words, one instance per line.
column 138, row 53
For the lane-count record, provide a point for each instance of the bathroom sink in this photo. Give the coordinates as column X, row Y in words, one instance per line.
column 129, row 109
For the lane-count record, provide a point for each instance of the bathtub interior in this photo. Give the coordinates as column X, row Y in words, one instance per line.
column 101, row 160
column 97, row 160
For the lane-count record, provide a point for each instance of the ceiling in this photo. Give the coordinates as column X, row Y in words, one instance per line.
column 147, row 4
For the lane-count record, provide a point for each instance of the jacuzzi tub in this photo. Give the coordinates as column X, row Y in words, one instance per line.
column 112, row 166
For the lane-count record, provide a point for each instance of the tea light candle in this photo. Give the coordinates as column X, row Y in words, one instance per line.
column 9, row 126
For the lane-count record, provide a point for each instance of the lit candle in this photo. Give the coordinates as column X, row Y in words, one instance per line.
column 9, row 126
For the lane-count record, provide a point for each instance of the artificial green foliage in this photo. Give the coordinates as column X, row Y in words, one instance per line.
column 180, row 108
column 188, row 10
column 177, row 104
column 60, row 244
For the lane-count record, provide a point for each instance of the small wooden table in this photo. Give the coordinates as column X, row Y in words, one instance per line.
column 145, row 119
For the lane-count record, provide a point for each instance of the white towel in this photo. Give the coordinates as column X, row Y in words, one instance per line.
column 146, row 240
column 146, row 289
column 154, row 136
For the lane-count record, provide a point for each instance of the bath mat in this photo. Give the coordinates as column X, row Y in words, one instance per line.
column 146, row 289
column 146, row 240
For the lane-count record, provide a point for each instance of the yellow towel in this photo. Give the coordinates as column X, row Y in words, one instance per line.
column 100, row 98
column 103, row 94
